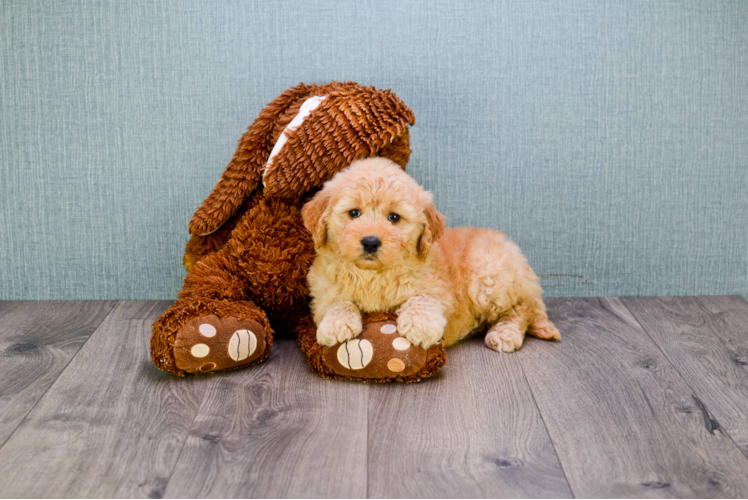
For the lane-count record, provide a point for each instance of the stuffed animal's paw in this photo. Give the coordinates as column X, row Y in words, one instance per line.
column 209, row 343
column 338, row 325
column 377, row 354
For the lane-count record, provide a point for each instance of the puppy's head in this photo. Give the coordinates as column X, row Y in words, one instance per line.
column 374, row 215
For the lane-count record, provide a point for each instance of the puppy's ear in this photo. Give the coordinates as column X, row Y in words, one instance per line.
column 315, row 215
column 432, row 228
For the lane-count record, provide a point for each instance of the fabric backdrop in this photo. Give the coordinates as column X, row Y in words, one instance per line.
column 608, row 138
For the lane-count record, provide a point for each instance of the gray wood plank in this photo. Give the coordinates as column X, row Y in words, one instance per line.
column 471, row 431
column 37, row 341
column 730, row 314
column 709, row 347
column 112, row 425
column 623, row 421
column 276, row 430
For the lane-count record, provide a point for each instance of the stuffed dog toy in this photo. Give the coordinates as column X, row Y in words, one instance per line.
column 249, row 253
column 382, row 246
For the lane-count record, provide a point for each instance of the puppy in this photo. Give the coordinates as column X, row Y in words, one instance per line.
column 382, row 246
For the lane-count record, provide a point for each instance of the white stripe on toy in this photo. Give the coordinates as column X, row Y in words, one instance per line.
column 306, row 108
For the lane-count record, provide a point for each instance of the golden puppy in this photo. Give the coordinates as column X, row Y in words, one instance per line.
column 382, row 246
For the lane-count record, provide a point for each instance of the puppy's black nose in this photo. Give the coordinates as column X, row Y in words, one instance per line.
column 371, row 244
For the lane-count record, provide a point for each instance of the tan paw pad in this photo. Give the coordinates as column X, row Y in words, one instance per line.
column 199, row 350
column 396, row 365
column 401, row 344
column 388, row 328
column 242, row 345
column 207, row 330
column 355, row 354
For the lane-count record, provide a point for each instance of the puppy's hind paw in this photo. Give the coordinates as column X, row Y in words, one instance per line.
column 544, row 329
column 504, row 337
column 338, row 327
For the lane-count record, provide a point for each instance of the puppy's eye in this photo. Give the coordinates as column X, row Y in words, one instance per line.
column 354, row 213
column 393, row 217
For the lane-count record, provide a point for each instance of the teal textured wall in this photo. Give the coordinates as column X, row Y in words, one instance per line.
column 608, row 138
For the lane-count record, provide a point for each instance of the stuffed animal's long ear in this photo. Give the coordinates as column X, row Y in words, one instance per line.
column 351, row 123
column 315, row 214
column 244, row 172
column 432, row 228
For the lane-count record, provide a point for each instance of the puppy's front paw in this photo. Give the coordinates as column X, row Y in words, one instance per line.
column 421, row 329
column 338, row 326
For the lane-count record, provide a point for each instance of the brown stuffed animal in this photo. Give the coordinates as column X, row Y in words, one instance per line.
column 249, row 253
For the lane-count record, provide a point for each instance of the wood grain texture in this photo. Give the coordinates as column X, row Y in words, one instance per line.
column 730, row 315
column 623, row 421
column 276, row 430
column 472, row 431
column 626, row 412
column 37, row 341
column 112, row 425
column 706, row 339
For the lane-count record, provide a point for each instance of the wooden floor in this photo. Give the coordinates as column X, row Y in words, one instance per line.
column 644, row 397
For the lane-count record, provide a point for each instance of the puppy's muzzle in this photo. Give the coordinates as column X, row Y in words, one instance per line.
column 371, row 244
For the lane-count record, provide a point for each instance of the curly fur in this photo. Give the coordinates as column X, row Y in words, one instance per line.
column 443, row 284
column 249, row 253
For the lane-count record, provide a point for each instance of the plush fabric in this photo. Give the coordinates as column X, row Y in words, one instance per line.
column 387, row 364
column 248, row 280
